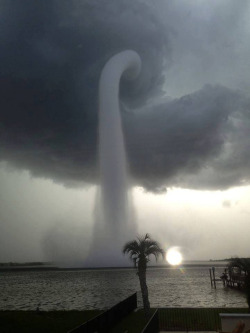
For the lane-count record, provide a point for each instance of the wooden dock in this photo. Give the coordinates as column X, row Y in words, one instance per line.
column 232, row 277
column 213, row 279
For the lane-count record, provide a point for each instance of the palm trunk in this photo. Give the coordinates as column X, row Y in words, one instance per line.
column 144, row 291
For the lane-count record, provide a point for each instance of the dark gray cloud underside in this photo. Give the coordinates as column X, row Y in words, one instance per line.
column 52, row 53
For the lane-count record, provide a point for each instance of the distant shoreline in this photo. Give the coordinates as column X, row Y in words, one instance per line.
column 20, row 268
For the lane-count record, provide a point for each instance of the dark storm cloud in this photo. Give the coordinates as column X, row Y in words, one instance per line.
column 183, row 137
column 52, row 53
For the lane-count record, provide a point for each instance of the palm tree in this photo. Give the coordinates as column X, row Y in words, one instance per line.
column 139, row 251
column 243, row 264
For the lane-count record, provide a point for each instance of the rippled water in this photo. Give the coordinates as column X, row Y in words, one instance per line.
column 100, row 289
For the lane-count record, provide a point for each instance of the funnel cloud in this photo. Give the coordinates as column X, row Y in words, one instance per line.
column 185, row 117
column 114, row 220
column 51, row 61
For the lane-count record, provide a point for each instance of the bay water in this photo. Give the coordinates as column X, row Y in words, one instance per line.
column 187, row 286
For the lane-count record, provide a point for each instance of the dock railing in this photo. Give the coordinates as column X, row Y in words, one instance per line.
column 106, row 320
column 153, row 324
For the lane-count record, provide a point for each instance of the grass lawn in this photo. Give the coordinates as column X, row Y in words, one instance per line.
column 63, row 321
column 133, row 323
column 49, row 322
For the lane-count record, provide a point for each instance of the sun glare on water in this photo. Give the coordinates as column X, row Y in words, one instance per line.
column 174, row 257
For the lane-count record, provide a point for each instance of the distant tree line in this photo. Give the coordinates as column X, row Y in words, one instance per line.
column 35, row 263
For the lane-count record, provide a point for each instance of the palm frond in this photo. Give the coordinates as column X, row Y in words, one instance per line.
column 140, row 249
column 156, row 251
column 130, row 246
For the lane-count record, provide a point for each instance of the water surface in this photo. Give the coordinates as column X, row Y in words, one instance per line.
column 101, row 289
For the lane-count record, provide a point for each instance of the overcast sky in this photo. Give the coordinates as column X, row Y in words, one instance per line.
column 186, row 122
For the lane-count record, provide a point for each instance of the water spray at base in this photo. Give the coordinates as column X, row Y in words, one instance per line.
column 114, row 219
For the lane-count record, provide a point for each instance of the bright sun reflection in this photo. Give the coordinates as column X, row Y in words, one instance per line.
column 174, row 257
